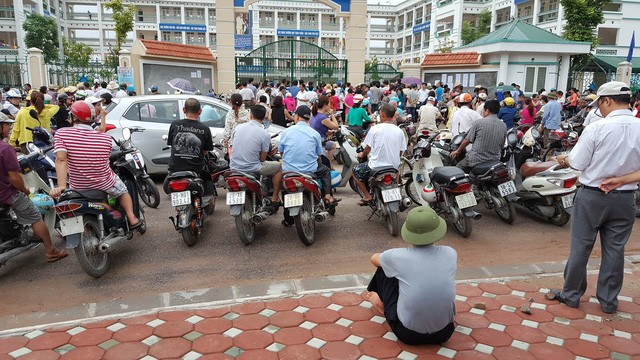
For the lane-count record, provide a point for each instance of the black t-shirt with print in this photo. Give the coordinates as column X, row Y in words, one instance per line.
column 189, row 140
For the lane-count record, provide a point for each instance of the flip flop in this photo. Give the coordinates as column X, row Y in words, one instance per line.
column 137, row 225
column 365, row 202
column 61, row 255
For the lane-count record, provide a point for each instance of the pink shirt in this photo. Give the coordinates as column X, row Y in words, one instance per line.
column 348, row 101
column 290, row 103
column 527, row 119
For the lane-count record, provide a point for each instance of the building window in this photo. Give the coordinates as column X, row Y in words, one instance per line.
column 535, row 78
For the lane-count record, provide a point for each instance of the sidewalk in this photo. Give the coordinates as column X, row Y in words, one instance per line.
column 342, row 325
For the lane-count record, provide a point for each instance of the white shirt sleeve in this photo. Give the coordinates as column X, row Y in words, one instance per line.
column 580, row 155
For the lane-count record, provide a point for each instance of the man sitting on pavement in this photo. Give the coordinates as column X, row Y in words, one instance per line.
column 415, row 287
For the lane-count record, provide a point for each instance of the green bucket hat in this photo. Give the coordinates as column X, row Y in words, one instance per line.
column 423, row 226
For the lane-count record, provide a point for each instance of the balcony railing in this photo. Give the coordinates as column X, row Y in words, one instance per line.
column 444, row 3
column 107, row 17
column 267, row 23
column 196, row 42
column 194, row 20
column 308, row 25
column 548, row 18
column 383, row 28
column 286, row 23
column 148, row 18
column 7, row 13
column 82, row 16
column 381, row 51
column 170, row 18
column 330, row 26
column 212, row 20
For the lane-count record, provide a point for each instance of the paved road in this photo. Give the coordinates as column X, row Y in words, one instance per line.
column 159, row 261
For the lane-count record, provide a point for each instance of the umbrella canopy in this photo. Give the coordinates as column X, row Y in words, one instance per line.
column 410, row 80
column 503, row 88
column 182, row 85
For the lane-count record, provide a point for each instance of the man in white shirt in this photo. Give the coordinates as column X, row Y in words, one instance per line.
column 122, row 93
column 384, row 145
column 607, row 148
column 423, row 95
column 428, row 115
column 248, row 96
column 463, row 117
column 302, row 97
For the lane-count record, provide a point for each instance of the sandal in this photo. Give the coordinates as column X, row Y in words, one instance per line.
column 365, row 202
column 137, row 225
column 58, row 256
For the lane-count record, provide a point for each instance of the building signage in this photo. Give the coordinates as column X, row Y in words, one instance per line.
column 300, row 33
column 344, row 5
column 125, row 76
column 183, row 27
column 519, row 1
column 243, row 39
column 425, row 26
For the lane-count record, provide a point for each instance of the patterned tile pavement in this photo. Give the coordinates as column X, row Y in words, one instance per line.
column 343, row 325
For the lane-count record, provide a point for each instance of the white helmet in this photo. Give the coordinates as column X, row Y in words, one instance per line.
column 13, row 93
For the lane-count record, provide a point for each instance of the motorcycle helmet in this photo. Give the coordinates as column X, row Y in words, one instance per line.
column 43, row 202
column 82, row 111
column 429, row 194
column 13, row 94
column 336, row 178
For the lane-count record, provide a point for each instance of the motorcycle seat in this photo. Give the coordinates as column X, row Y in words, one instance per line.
column 242, row 174
column 298, row 174
column 90, row 194
column 382, row 171
column 182, row 174
column 444, row 174
column 535, row 167
column 482, row 169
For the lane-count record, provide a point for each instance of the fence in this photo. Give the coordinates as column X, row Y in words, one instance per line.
column 62, row 73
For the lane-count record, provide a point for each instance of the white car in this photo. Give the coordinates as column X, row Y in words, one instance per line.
column 155, row 113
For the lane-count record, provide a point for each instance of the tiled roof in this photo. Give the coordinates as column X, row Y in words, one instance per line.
column 451, row 59
column 161, row 48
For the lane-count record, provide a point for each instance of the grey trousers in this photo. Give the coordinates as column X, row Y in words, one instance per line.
column 612, row 215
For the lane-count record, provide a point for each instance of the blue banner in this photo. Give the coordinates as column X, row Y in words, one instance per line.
column 125, row 75
column 243, row 42
column 345, row 5
column 243, row 25
column 300, row 33
column 425, row 26
column 519, row 1
column 183, row 27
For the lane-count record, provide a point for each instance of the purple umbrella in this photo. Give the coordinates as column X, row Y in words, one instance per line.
column 410, row 80
column 182, row 85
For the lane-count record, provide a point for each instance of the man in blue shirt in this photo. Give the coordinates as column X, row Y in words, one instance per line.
column 294, row 88
column 551, row 117
column 439, row 91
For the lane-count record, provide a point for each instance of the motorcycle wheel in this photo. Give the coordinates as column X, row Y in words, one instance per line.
column 149, row 193
column 405, row 167
column 245, row 227
column 305, row 224
column 637, row 196
column 561, row 216
column 143, row 228
column 506, row 213
column 91, row 260
column 411, row 191
column 393, row 223
column 190, row 234
column 463, row 225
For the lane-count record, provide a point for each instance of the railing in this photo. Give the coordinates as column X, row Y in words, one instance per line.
column 196, row 42
column 606, row 52
column 330, row 26
column 171, row 18
column 385, row 28
column 286, row 23
column 7, row 13
column 445, row 3
column 308, row 25
column 266, row 23
column 194, row 20
column 147, row 18
column 381, row 51
column 212, row 21
column 548, row 18
column 107, row 17
column 82, row 16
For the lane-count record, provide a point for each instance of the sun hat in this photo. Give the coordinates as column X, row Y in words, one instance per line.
column 93, row 100
column 612, row 88
column 482, row 96
column 112, row 86
column 552, row 94
column 5, row 119
column 304, row 112
column 431, row 98
column 423, row 227
column 509, row 101
column 357, row 98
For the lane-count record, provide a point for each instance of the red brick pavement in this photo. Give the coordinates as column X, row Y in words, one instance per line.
column 490, row 325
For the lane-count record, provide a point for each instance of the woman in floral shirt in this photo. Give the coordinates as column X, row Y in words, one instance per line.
column 238, row 115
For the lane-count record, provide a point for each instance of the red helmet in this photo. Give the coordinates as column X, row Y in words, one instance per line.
column 82, row 111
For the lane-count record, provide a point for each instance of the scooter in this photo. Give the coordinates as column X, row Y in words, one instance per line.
column 542, row 187
column 347, row 156
column 303, row 201
column 147, row 189
column 387, row 201
column 446, row 189
column 189, row 199
column 42, row 139
column 15, row 238
column 93, row 224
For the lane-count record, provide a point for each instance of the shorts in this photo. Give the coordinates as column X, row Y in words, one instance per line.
column 118, row 189
column 269, row 168
column 363, row 172
column 25, row 210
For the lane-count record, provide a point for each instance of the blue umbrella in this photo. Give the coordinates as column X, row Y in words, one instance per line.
column 182, row 85
column 410, row 80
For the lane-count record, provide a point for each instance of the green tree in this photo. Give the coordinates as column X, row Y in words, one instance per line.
column 123, row 15
column 42, row 33
column 77, row 54
column 582, row 18
column 474, row 31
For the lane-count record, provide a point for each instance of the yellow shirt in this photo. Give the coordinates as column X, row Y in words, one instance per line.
column 20, row 135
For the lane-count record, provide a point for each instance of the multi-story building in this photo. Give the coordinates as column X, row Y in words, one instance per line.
column 396, row 32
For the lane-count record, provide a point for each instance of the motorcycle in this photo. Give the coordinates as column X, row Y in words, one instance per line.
column 93, row 223
column 560, row 141
column 15, row 238
column 147, row 189
column 46, row 166
column 542, row 187
column 446, row 189
column 303, row 201
column 387, row 198
column 347, row 156
column 188, row 197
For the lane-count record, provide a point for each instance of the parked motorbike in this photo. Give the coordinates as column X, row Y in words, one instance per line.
column 147, row 189
column 303, row 201
column 46, row 166
column 387, row 201
column 542, row 187
column 188, row 197
column 346, row 155
column 446, row 189
column 93, row 223
column 561, row 141
column 15, row 238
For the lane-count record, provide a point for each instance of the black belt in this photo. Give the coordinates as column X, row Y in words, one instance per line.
column 610, row 192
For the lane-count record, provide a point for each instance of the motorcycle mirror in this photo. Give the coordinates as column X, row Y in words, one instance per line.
column 535, row 133
column 126, row 134
column 33, row 114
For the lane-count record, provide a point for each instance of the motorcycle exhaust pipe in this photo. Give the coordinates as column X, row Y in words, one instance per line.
column 258, row 218
column 321, row 216
column 7, row 255
column 405, row 203
column 468, row 212
column 107, row 245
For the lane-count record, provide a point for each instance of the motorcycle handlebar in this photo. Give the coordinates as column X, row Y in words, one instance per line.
column 118, row 154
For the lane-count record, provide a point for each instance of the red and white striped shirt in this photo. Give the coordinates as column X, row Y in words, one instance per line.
column 88, row 154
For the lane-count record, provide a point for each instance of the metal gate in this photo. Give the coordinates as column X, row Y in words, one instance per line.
column 292, row 60
column 13, row 72
column 63, row 74
column 381, row 72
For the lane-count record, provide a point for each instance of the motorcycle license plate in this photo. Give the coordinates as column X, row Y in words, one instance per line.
column 180, row 198
column 391, row 195
column 293, row 200
column 466, row 200
column 567, row 200
column 507, row 188
column 70, row 226
column 235, row 198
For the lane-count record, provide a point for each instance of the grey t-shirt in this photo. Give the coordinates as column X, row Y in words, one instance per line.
column 376, row 95
column 249, row 140
column 426, row 275
column 487, row 136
